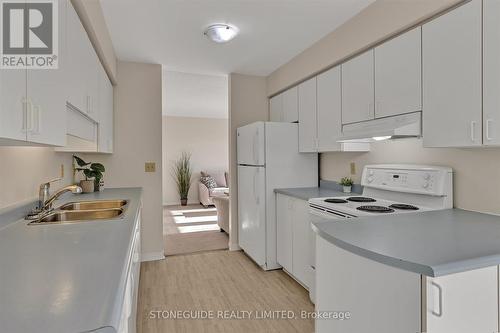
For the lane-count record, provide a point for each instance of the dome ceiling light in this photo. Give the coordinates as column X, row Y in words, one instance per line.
column 221, row 33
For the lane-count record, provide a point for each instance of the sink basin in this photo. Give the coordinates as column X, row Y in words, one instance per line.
column 72, row 216
column 93, row 205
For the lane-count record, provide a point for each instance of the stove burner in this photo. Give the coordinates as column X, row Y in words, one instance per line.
column 404, row 207
column 332, row 200
column 361, row 199
column 375, row 209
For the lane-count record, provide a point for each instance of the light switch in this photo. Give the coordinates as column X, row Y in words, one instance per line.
column 150, row 167
column 353, row 168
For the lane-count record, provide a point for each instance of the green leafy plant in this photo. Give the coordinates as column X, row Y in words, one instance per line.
column 182, row 174
column 346, row 181
column 90, row 170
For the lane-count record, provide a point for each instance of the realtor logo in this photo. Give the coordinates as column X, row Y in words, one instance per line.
column 29, row 34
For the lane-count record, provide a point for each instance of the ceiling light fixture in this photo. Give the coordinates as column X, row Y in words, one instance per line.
column 221, row 33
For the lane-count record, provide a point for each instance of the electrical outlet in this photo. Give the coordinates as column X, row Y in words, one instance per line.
column 353, row 168
column 150, row 167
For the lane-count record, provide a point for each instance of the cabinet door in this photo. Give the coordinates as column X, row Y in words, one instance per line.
column 13, row 104
column 106, row 125
column 491, row 72
column 398, row 75
column 464, row 302
column 301, row 242
column 77, row 50
column 358, row 89
column 47, row 94
column 307, row 116
column 276, row 108
column 290, row 106
column 284, row 231
column 329, row 110
column 452, row 78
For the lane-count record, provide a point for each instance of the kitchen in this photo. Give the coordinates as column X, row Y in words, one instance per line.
column 422, row 76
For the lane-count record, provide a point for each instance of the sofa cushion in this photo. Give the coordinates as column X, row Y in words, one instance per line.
column 218, row 176
column 208, row 181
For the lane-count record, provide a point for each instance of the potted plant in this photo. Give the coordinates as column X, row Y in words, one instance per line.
column 346, row 183
column 93, row 173
column 182, row 174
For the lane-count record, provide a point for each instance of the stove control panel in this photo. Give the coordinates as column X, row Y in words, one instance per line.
column 410, row 179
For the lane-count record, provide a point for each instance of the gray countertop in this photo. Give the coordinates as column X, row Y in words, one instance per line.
column 306, row 193
column 433, row 243
column 66, row 277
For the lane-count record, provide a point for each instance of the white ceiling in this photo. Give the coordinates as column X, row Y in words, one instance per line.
column 195, row 95
column 170, row 32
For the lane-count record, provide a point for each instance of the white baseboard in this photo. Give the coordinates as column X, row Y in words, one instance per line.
column 234, row 247
column 152, row 256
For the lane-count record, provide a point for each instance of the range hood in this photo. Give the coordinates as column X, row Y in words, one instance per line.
column 407, row 125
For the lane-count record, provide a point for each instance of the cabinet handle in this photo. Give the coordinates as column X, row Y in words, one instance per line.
column 488, row 122
column 36, row 124
column 89, row 104
column 30, row 116
column 440, row 300
column 24, row 127
column 371, row 107
column 472, row 130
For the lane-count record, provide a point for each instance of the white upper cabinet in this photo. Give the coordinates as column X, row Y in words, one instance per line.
column 307, row 116
column 13, row 104
column 105, row 133
column 452, row 80
column 398, row 75
column 284, row 107
column 491, row 73
column 47, row 94
column 358, row 89
column 290, row 105
column 329, row 110
column 276, row 108
column 83, row 77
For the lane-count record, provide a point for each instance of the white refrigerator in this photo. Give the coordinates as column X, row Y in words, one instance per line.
column 268, row 158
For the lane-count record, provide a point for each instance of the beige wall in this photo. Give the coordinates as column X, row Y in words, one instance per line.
column 90, row 13
column 23, row 169
column 476, row 177
column 380, row 20
column 138, row 139
column 247, row 103
column 207, row 141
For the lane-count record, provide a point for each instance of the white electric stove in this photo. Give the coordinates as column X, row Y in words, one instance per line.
column 388, row 189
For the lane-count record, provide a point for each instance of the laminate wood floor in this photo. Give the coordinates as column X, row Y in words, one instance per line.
column 218, row 281
column 191, row 228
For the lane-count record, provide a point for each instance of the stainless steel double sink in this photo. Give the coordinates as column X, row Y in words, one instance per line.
column 84, row 211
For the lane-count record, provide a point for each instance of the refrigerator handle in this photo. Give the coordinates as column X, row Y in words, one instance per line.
column 255, row 147
column 255, row 186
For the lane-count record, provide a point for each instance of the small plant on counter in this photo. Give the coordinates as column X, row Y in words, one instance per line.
column 346, row 183
column 182, row 174
column 93, row 173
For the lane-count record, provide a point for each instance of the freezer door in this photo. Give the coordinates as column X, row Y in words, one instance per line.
column 250, row 144
column 252, row 212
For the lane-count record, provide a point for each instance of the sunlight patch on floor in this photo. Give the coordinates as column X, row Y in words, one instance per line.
column 197, row 228
column 195, row 219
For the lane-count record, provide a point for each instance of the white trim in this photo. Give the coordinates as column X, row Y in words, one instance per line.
column 152, row 256
column 234, row 247
column 178, row 203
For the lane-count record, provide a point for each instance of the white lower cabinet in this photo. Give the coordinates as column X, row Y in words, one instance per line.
column 129, row 307
column 463, row 303
column 293, row 242
column 383, row 298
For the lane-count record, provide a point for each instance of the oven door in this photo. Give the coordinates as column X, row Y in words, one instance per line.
column 327, row 214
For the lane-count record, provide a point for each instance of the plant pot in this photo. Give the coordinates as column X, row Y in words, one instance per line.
column 87, row 186
column 98, row 185
column 184, row 202
column 346, row 189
